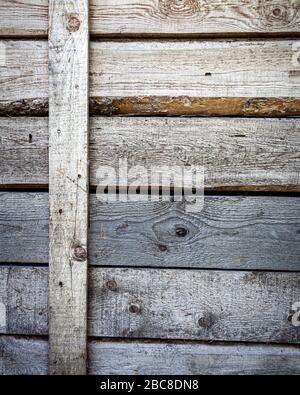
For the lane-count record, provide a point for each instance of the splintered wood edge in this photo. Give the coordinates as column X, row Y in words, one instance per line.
column 167, row 106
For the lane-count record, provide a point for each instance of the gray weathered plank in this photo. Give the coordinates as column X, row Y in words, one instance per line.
column 23, row 356
column 232, row 232
column 164, row 304
column 237, row 153
column 30, row 17
column 178, row 69
column 19, row 355
column 150, row 358
column 68, row 185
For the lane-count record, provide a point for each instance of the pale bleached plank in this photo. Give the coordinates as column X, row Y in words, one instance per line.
column 194, row 68
column 232, row 232
column 164, row 304
column 19, row 355
column 123, row 73
column 68, row 185
column 23, row 18
column 237, row 154
column 193, row 17
column 153, row 17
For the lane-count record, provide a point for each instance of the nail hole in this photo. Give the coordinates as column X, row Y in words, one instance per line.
column 60, row 211
column 60, row 284
column 30, row 138
column 207, row 74
column 162, row 247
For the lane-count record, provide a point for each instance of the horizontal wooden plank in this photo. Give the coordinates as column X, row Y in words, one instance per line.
column 236, row 153
column 214, row 68
column 24, row 227
column 232, row 232
column 163, row 304
column 123, row 73
column 19, row 355
column 165, row 17
column 150, row 358
column 23, row 356
column 193, row 17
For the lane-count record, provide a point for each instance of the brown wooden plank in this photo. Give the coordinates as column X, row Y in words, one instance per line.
column 215, row 77
column 68, row 185
column 165, row 304
column 165, row 17
column 21, row 355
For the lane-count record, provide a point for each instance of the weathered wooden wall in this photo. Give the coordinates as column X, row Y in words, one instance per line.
column 158, row 297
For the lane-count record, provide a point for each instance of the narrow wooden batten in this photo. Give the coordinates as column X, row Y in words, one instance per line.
column 68, row 185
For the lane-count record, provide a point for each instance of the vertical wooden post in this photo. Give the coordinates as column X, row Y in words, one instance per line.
column 68, row 185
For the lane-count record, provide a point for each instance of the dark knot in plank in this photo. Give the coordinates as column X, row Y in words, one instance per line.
column 79, row 253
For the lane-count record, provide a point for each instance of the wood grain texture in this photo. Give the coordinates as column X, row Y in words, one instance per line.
column 232, row 232
column 23, row 356
column 24, row 151
column 175, row 75
column 183, row 359
column 68, row 185
column 160, row 17
column 215, row 68
column 19, row 355
column 24, row 227
column 164, row 304
column 24, row 18
column 173, row 17
column 237, row 154
column 180, row 106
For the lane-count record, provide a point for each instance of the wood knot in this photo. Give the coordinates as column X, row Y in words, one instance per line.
column 278, row 14
column 79, row 254
column 207, row 321
column 73, row 23
column 181, row 232
column 134, row 308
column 111, row 285
column 183, row 9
